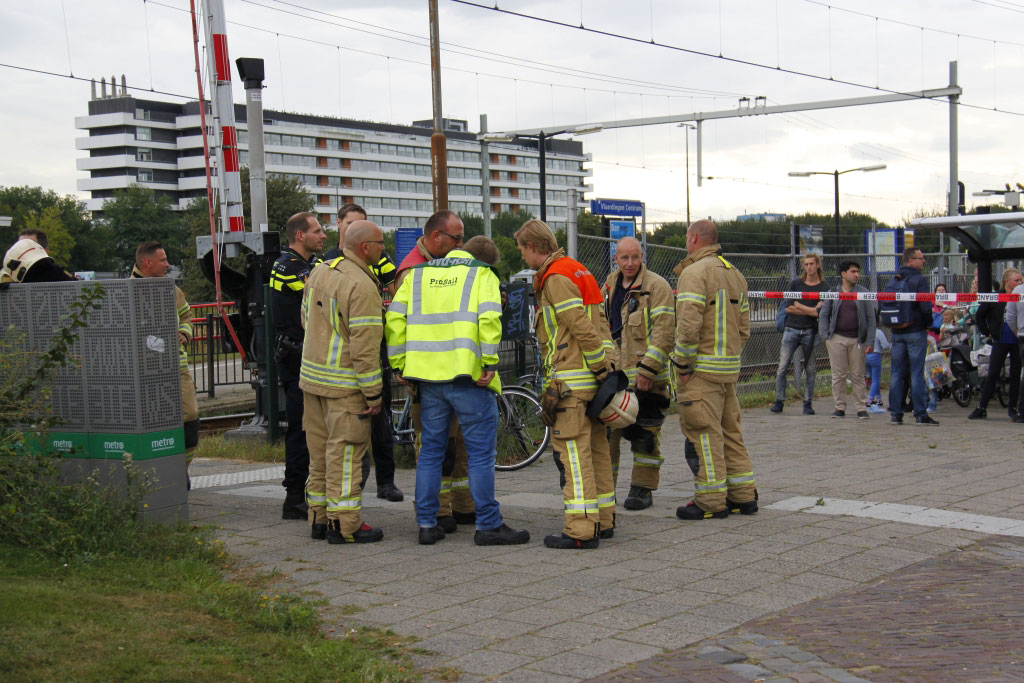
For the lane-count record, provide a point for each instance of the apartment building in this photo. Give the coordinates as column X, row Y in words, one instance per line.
column 383, row 167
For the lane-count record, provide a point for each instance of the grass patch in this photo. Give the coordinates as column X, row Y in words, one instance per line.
column 171, row 619
column 249, row 450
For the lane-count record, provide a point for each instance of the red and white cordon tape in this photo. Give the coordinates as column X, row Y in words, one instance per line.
column 947, row 298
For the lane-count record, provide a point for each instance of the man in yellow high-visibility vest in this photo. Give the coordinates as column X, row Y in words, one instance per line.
column 443, row 331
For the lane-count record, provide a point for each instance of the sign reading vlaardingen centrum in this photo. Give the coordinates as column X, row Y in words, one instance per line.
column 616, row 207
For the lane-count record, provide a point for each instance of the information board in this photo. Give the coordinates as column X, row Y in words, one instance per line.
column 617, row 230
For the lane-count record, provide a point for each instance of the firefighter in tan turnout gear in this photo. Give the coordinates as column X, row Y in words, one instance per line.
column 641, row 315
column 341, row 379
column 712, row 325
column 577, row 348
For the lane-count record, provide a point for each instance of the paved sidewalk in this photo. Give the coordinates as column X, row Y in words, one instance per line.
column 526, row 613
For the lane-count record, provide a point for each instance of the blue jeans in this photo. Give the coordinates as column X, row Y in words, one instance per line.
column 791, row 339
column 874, row 363
column 912, row 346
column 477, row 410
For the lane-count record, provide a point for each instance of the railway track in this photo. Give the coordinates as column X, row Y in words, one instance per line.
column 217, row 424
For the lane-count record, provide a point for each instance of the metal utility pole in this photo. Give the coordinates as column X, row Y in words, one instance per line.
column 485, row 176
column 542, row 148
column 438, row 146
column 838, row 248
column 570, row 224
column 954, row 171
column 250, row 70
column 835, row 174
column 687, row 127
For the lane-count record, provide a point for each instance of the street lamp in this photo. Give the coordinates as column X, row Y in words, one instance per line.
column 688, row 127
column 836, row 174
column 541, row 139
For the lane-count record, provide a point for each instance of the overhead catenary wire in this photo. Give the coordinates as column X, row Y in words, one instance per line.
column 679, row 91
column 702, row 53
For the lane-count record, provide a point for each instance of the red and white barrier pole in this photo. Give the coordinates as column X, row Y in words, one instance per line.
column 942, row 298
column 229, row 181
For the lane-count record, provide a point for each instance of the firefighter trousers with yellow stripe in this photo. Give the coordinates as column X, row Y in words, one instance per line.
column 337, row 435
column 454, row 494
column 646, row 449
column 709, row 413
column 581, row 453
column 647, row 458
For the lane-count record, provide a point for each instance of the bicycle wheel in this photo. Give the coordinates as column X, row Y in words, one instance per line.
column 961, row 389
column 1002, row 391
column 522, row 434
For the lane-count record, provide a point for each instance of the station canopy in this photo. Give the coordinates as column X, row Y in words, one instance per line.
column 988, row 237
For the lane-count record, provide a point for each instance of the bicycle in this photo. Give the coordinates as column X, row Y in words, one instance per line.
column 522, row 434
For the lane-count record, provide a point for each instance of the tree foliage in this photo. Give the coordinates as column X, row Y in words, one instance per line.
column 27, row 206
column 61, row 243
column 137, row 214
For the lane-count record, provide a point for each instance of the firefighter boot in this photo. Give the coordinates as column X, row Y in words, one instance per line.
column 295, row 506
column 639, row 498
column 318, row 530
column 691, row 511
column 364, row 534
column 749, row 508
column 563, row 542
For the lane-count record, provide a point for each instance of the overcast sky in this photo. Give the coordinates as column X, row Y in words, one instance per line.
column 369, row 60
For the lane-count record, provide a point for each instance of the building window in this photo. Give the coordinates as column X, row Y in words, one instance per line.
column 143, row 154
column 145, row 175
column 143, row 133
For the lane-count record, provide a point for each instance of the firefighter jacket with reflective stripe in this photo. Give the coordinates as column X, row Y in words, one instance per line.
column 287, row 282
column 572, row 330
column 341, row 308
column 648, row 325
column 712, row 316
column 184, row 321
column 445, row 321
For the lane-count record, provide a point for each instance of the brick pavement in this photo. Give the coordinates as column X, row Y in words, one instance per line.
column 951, row 618
column 529, row 613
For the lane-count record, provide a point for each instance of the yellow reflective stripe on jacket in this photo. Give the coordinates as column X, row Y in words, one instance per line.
column 721, row 329
column 365, row 320
column 719, row 365
column 576, row 379
column 691, row 296
column 336, row 340
column 567, row 304
column 662, row 310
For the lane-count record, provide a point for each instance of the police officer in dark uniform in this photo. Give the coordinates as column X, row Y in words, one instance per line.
column 381, row 435
column 287, row 282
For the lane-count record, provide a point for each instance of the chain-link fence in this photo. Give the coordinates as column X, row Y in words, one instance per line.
column 774, row 272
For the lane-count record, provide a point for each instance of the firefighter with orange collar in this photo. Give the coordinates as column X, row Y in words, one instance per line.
column 578, row 349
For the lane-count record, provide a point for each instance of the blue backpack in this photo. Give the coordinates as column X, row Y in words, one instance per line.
column 897, row 314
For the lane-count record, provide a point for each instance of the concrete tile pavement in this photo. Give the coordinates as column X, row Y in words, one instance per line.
column 530, row 613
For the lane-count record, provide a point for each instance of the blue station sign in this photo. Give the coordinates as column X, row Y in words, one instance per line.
column 616, row 207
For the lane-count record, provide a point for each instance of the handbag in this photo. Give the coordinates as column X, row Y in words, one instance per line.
column 780, row 317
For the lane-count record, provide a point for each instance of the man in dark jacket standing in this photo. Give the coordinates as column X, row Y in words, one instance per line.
column 848, row 328
column 911, row 342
